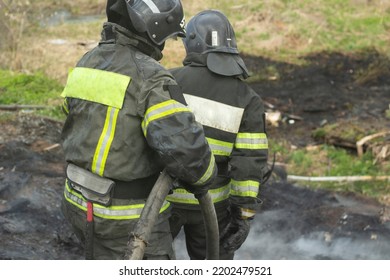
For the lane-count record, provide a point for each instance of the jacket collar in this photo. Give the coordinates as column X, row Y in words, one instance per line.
column 195, row 59
column 112, row 31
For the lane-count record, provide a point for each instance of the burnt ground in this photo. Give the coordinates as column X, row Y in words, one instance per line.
column 295, row 222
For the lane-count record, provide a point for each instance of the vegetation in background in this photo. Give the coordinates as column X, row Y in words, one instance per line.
column 326, row 160
column 37, row 89
column 279, row 29
column 282, row 30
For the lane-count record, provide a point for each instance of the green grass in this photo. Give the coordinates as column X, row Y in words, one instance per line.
column 329, row 161
column 332, row 161
column 281, row 30
column 308, row 26
column 35, row 89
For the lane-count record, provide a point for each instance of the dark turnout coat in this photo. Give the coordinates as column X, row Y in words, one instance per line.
column 123, row 121
column 233, row 118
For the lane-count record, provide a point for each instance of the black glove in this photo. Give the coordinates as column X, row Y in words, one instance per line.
column 198, row 191
column 236, row 231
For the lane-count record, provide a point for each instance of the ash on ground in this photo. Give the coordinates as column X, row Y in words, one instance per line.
column 295, row 222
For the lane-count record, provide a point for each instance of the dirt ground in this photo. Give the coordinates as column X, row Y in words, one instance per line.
column 294, row 223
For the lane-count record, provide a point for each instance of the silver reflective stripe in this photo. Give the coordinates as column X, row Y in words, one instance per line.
column 118, row 212
column 220, row 148
column 105, row 140
column 183, row 196
column 162, row 110
column 152, row 6
column 245, row 188
column 254, row 141
column 209, row 112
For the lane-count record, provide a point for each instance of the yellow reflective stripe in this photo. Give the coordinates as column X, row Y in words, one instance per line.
column 209, row 172
column 96, row 85
column 253, row 141
column 244, row 188
column 105, row 141
column 162, row 110
column 182, row 196
column 65, row 106
column 117, row 212
column 220, row 148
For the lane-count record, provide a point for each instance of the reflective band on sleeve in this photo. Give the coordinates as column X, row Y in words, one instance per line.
column 182, row 196
column 248, row 188
column 98, row 86
column 162, row 110
column 119, row 212
column 252, row 141
column 220, row 148
column 209, row 112
column 105, row 141
column 209, row 172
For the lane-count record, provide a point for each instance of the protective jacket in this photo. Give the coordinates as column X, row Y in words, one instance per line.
column 233, row 119
column 123, row 120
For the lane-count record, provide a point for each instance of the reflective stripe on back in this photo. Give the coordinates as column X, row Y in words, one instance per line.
column 209, row 112
column 105, row 141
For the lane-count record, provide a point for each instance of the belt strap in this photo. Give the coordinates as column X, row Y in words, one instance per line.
column 136, row 189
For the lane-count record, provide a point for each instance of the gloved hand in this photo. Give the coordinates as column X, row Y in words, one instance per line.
column 236, row 231
column 198, row 191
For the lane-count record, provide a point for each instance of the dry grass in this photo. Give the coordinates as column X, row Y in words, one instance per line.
column 278, row 29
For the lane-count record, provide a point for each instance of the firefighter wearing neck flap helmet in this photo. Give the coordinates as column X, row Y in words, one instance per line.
column 233, row 118
column 126, row 123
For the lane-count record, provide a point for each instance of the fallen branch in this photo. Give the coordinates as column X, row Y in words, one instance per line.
column 361, row 142
column 337, row 178
column 54, row 146
column 19, row 107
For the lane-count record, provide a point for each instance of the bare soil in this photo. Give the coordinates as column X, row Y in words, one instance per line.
column 294, row 223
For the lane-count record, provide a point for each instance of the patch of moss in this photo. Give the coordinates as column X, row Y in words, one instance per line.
column 36, row 89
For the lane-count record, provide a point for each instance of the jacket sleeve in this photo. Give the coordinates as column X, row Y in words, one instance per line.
column 248, row 161
column 170, row 128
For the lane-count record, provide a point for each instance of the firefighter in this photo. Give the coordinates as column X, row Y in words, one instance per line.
column 233, row 118
column 125, row 123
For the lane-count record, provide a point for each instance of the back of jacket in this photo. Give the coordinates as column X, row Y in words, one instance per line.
column 233, row 118
column 122, row 121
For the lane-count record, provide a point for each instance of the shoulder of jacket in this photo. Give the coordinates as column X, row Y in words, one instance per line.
column 176, row 70
column 148, row 67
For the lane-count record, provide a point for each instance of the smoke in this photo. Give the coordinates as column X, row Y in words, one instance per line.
column 275, row 235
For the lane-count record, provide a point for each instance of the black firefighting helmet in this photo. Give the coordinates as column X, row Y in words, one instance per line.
column 210, row 32
column 160, row 19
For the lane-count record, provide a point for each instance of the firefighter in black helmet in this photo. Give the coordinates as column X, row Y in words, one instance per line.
column 125, row 123
column 233, row 118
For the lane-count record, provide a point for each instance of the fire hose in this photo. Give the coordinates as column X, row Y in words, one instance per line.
column 140, row 235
